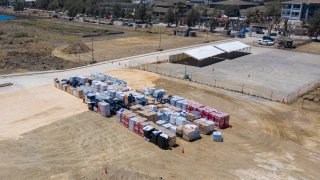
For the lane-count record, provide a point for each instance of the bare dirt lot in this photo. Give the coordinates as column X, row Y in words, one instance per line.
column 22, row 40
column 267, row 141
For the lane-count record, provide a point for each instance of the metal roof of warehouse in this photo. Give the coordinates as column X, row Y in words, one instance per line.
column 231, row 46
column 203, row 52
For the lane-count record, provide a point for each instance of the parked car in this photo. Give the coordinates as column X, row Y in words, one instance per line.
column 273, row 34
column 267, row 38
column 259, row 31
column 125, row 24
column 265, row 42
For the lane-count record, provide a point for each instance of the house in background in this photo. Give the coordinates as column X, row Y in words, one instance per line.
column 299, row 10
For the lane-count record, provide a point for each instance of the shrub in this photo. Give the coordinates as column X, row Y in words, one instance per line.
column 20, row 34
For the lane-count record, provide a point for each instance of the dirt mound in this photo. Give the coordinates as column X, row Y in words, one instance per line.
column 24, row 60
column 76, row 48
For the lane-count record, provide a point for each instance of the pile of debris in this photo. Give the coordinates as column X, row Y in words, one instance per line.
column 313, row 96
column 76, row 48
column 149, row 113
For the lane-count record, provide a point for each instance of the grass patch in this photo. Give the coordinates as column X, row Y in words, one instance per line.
column 63, row 28
column 20, row 35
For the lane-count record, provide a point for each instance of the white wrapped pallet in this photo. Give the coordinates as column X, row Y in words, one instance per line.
column 119, row 117
column 167, row 125
column 173, row 129
column 151, row 90
column 104, row 109
column 132, row 121
column 160, row 122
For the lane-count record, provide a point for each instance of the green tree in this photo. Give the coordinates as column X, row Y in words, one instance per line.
column 141, row 12
column 116, row 10
column 232, row 11
column 4, row 2
column 192, row 17
column 204, row 13
column 18, row 5
column 53, row 5
column 179, row 10
column 314, row 25
column 169, row 16
column 273, row 9
column 42, row 4
column 213, row 20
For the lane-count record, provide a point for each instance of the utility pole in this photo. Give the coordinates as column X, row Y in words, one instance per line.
column 159, row 49
column 92, row 50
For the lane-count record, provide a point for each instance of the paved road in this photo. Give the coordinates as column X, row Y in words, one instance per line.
column 32, row 79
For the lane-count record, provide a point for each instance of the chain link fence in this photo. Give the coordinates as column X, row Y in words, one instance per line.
column 203, row 79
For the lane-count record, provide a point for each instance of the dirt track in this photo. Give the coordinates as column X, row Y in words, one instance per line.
column 267, row 141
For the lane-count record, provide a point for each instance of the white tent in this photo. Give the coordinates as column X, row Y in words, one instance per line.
column 231, row 46
column 203, row 52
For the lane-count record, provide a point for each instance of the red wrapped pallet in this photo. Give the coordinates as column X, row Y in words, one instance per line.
column 136, row 127
column 125, row 118
column 142, row 125
column 194, row 106
column 220, row 118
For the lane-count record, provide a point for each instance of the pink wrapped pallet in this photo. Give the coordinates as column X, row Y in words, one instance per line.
column 194, row 106
column 220, row 118
column 205, row 113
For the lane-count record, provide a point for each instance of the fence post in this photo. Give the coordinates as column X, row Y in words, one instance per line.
column 288, row 98
column 298, row 93
column 242, row 88
column 308, row 87
column 271, row 95
column 215, row 83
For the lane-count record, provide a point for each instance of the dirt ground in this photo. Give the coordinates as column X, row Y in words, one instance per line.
column 141, row 43
column 313, row 47
column 267, row 140
column 22, row 40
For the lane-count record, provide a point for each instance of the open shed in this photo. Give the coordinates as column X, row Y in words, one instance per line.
column 209, row 54
column 234, row 49
column 201, row 56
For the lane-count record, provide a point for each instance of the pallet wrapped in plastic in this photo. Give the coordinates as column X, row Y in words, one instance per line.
column 181, row 121
column 153, row 108
column 125, row 117
column 154, row 136
column 174, row 100
column 104, row 109
column 151, row 116
column 173, row 129
column 220, row 118
column 132, row 122
column 151, row 90
column 119, row 116
column 179, row 130
column 159, row 93
column 160, row 115
column 82, row 79
column 191, row 132
column 167, row 125
column 173, row 117
column 160, row 122
column 217, row 136
column 142, row 125
column 135, row 108
column 163, row 141
column 172, row 136
column 206, row 127
column 194, row 106
column 137, row 124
